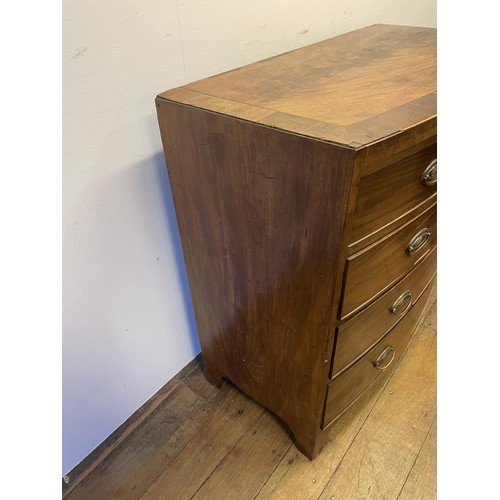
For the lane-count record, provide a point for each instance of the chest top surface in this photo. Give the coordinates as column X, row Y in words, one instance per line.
column 352, row 89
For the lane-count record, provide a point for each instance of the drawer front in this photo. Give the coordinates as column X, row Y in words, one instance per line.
column 360, row 333
column 349, row 386
column 385, row 196
column 370, row 272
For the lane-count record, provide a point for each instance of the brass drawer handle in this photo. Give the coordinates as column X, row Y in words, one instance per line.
column 430, row 174
column 418, row 241
column 378, row 362
column 399, row 302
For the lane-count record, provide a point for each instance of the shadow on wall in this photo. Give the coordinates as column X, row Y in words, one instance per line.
column 122, row 256
column 170, row 222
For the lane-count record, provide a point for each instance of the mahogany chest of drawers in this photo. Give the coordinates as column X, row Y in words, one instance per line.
column 305, row 193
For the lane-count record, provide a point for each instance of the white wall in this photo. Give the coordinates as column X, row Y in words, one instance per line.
column 128, row 325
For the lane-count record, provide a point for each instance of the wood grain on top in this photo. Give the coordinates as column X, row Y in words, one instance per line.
column 352, row 89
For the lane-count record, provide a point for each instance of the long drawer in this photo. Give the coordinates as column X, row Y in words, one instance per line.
column 385, row 196
column 350, row 385
column 359, row 334
column 370, row 272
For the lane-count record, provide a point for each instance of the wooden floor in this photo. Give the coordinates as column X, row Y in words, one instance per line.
column 195, row 441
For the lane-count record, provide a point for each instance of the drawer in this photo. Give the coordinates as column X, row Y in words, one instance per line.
column 372, row 271
column 390, row 195
column 350, row 385
column 360, row 333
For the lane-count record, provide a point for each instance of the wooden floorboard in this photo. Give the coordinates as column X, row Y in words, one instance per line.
column 244, row 470
column 203, row 454
column 421, row 483
column 200, row 442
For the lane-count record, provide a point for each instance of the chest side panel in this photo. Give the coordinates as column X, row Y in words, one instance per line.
column 261, row 214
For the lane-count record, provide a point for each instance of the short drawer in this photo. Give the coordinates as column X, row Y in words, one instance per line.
column 389, row 194
column 344, row 390
column 372, row 271
column 359, row 334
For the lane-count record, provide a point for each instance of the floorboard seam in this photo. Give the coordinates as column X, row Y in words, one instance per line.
column 414, row 462
column 272, row 472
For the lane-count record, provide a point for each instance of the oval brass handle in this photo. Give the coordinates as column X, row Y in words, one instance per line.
column 400, row 301
column 378, row 362
column 418, row 241
column 430, row 174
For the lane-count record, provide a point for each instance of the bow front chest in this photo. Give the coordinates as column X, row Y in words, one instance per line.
column 305, row 192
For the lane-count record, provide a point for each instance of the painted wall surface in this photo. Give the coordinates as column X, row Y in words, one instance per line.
column 128, row 325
